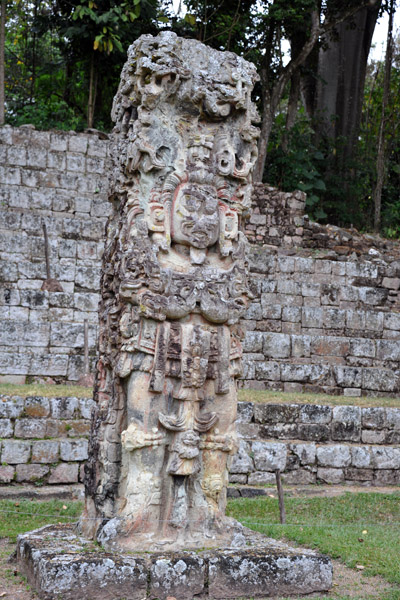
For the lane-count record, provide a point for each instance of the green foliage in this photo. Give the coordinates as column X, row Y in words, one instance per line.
column 298, row 168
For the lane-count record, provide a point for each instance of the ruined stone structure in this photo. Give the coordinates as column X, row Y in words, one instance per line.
column 174, row 288
column 326, row 311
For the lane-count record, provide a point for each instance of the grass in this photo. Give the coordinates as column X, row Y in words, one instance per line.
column 25, row 515
column 359, row 529
column 265, row 396
column 48, row 391
column 334, row 526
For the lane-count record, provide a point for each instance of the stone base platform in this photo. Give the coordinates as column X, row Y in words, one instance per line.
column 60, row 564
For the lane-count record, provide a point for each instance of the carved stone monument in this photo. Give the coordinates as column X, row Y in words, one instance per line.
column 174, row 288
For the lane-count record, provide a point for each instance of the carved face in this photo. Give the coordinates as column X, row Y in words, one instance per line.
column 195, row 216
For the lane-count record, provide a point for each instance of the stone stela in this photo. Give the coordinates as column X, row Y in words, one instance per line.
column 174, row 289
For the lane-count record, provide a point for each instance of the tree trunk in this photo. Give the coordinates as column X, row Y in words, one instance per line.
column 92, row 91
column 2, row 59
column 380, row 160
column 266, row 127
column 341, row 70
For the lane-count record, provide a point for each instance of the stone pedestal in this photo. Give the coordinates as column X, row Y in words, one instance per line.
column 61, row 564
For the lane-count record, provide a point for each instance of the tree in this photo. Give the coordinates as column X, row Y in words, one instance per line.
column 274, row 80
column 380, row 160
column 2, row 59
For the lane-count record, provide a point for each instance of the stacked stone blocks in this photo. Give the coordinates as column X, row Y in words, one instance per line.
column 43, row 440
column 58, row 178
column 317, row 444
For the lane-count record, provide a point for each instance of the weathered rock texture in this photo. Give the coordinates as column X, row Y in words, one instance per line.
column 45, row 441
column 61, row 564
column 58, row 178
column 327, row 299
column 174, row 287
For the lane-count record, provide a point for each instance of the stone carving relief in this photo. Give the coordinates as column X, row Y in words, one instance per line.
column 174, row 289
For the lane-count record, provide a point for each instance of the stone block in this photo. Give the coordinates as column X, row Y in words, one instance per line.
column 64, row 473
column 373, row 417
column 385, row 457
column 306, row 453
column 31, row 473
column 64, row 408
column 291, row 314
column 254, row 311
column 330, row 475
column 6, row 474
column 360, row 457
column 276, row 413
column 241, row 461
column 314, row 413
column 312, row 317
column 293, row 372
column 86, row 301
column 346, row 423
column 270, row 311
column 383, row 380
column 269, row 456
column 14, row 452
column 388, row 350
column 87, row 406
column 73, row 450
column 6, row 428
column 236, row 478
column 304, row 265
column 245, row 412
column 313, row 432
column 267, row 370
column 334, row 456
column 393, row 418
column 348, row 376
column 11, row 407
column 261, row 478
column 386, row 477
column 73, row 574
column 392, row 320
column 352, row 474
column 371, row 436
column 36, row 406
column 30, row 428
column 45, row 451
column 266, row 573
column 253, row 341
column 299, row 477
column 276, row 345
column 180, row 577
column 36, row 157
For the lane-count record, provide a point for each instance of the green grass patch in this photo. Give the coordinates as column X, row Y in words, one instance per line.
column 24, row 515
column 269, row 397
column 359, row 529
column 47, row 391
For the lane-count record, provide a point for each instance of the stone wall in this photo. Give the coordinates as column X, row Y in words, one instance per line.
column 59, row 178
column 326, row 316
column 323, row 324
column 319, row 444
column 44, row 441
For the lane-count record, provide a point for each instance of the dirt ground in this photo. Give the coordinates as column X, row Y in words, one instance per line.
column 346, row 582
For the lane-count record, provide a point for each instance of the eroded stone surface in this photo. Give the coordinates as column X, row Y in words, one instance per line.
column 57, row 561
column 174, row 290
